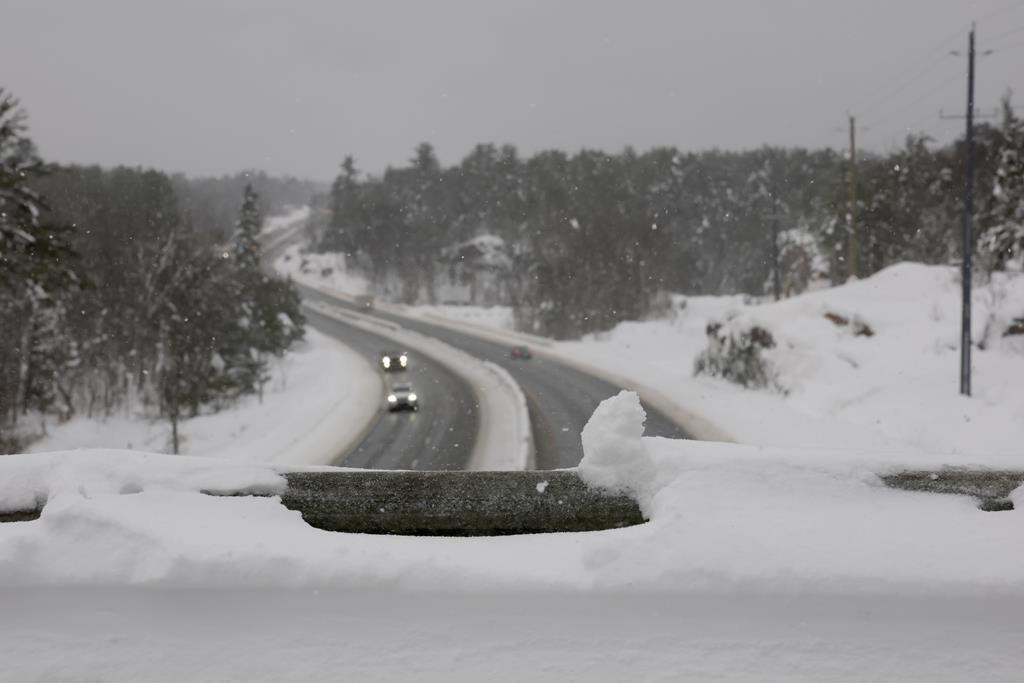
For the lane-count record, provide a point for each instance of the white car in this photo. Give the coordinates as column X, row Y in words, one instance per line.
column 403, row 397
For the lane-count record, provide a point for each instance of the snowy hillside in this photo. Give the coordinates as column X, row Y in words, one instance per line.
column 872, row 364
column 314, row 405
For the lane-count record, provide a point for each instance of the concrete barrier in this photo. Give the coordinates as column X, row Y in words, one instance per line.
column 455, row 503
column 991, row 487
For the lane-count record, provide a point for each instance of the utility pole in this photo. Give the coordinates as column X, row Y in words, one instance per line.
column 853, row 255
column 776, row 266
column 966, row 270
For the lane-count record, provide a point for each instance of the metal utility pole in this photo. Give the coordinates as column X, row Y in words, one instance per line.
column 968, row 240
column 853, row 256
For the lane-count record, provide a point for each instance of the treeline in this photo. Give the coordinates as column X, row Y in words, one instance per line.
column 210, row 204
column 593, row 238
column 114, row 296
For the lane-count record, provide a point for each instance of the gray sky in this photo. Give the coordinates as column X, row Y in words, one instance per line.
column 212, row 87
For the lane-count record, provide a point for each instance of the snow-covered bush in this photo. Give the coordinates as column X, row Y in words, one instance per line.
column 734, row 354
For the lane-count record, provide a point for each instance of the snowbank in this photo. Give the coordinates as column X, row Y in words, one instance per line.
column 314, row 408
column 895, row 390
column 286, row 220
column 724, row 518
column 757, row 564
column 320, row 270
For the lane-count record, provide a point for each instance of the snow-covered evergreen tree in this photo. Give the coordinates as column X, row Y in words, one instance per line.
column 34, row 268
column 247, row 231
column 1003, row 240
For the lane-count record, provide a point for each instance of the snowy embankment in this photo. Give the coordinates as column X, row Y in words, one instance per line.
column 893, row 390
column 314, row 408
column 757, row 563
column 723, row 517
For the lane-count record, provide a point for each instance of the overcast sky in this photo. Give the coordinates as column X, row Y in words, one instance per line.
column 210, row 87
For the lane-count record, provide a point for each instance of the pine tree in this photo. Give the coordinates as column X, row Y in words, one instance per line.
column 270, row 319
column 247, row 231
column 1003, row 241
column 34, row 269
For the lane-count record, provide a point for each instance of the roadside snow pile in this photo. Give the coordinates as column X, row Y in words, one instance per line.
column 314, row 406
column 326, row 270
column 614, row 457
column 490, row 317
column 275, row 224
column 872, row 364
column 723, row 518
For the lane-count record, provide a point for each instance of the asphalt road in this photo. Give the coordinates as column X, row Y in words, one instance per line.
column 440, row 436
column 561, row 399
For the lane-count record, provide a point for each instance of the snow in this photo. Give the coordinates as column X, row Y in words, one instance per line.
column 321, row 270
column 757, row 563
column 614, row 457
column 894, row 391
column 491, row 317
column 377, row 635
column 318, row 403
column 774, row 564
column 724, row 517
column 288, row 219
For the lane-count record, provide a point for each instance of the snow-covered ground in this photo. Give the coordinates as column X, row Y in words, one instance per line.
column 288, row 219
column 757, row 564
column 897, row 390
column 314, row 406
column 321, row 270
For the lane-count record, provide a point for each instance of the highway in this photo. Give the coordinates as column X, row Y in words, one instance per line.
column 561, row 399
column 440, row 436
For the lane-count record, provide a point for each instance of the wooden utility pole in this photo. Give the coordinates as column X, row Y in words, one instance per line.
column 853, row 254
column 776, row 257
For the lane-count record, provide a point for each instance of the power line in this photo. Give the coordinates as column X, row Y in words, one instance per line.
column 886, row 91
column 917, row 100
column 993, row 40
column 999, row 10
column 873, row 104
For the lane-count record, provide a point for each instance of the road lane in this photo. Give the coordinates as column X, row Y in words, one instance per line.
column 440, row 436
column 561, row 399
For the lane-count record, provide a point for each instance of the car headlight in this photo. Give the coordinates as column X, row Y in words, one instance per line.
column 392, row 398
column 412, row 397
column 386, row 361
column 403, row 360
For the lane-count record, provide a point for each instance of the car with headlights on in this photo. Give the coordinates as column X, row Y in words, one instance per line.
column 402, row 397
column 393, row 361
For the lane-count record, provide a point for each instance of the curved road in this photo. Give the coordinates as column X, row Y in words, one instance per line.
column 440, row 436
column 561, row 399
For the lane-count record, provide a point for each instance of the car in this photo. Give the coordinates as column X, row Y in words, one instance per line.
column 520, row 353
column 402, row 397
column 364, row 301
column 393, row 361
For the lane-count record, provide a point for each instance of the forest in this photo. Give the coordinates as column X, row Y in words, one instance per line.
column 579, row 242
column 127, row 289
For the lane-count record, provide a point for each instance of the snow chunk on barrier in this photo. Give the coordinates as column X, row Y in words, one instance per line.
column 614, row 456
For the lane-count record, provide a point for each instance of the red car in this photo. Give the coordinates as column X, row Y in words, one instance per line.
column 520, row 353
